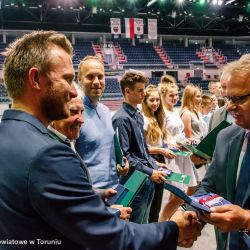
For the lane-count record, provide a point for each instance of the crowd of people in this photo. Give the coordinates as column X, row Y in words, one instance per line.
column 58, row 160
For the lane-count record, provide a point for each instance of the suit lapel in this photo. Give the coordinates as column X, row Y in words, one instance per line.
column 223, row 114
column 235, row 146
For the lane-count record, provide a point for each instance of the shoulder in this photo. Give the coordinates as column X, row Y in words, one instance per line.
column 55, row 159
column 103, row 107
column 230, row 132
column 146, row 122
column 120, row 114
column 186, row 112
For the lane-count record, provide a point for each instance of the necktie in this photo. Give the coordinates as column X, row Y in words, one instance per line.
column 244, row 176
column 242, row 186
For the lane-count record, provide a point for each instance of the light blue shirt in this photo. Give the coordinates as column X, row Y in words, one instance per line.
column 96, row 144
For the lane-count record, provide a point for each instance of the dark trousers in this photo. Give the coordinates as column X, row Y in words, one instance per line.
column 157, row 200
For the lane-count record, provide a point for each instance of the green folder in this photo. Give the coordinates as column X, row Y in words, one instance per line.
column 118, row 150
column 205, row 148
column 134, row 185
column 182, row 153
column 177, row 177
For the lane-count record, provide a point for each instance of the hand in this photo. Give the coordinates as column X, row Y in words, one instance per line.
column 228, row 218
column 125, row 211
column 158, row 176
column 197, row 160
column 162, row 165
column 108, row 193
column 168, row 153
column 189, row 227
column 123, row 170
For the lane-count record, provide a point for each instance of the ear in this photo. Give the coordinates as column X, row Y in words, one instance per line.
column 33, row 77
column 127, row 90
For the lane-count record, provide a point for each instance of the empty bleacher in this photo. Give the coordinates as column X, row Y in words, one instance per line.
column 181, row 55
column 142, row 54
column 227, row 50
column 203, row 84
column 82, row 48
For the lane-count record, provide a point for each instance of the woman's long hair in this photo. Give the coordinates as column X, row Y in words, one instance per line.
column 188, row 97
column 156, row 128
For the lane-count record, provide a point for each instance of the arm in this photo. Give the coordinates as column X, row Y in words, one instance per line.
column 186, row 118
column 62, row 196
column 162, row 151
column 125, row 133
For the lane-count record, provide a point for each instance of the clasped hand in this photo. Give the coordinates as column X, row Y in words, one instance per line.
column 189, row 227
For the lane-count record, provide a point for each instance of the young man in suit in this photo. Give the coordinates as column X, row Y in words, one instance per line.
column 229, row 173
column 129, row 122
column 45, row 193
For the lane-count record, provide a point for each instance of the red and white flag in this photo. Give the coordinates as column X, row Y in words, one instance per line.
column 133, row 26
column 129, row 28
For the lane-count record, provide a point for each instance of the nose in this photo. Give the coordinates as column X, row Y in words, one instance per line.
column 73, row 92
column 80, row 118
column 96, row 80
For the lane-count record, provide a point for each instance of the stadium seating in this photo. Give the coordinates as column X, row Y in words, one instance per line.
column 181, row 55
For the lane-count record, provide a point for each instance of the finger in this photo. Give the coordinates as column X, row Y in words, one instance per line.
column 221, row 209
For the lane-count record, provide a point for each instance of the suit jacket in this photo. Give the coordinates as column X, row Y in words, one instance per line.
column 221, row 175
column 45, row 195
column 217, row 117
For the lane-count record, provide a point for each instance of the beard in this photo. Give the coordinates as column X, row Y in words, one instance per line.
column 54, row 104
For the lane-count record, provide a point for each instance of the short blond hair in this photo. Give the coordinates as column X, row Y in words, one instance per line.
column 31, row 50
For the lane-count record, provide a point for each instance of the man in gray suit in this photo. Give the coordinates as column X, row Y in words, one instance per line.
column 229, row 173
column 221, row 114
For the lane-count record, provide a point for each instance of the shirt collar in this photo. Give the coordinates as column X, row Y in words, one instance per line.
column 131, row 110
column 58, row 134
column 88, row 102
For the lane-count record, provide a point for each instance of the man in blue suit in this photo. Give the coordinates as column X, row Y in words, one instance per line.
column 45, row 195
column 229, row 172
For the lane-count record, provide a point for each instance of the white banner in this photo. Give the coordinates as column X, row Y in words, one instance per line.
column 138, row 24
column 115, row 24
column 152, row 28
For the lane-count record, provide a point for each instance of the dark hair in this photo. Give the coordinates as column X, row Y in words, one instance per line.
column 130, row 78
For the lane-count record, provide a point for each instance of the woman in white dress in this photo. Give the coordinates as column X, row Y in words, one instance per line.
column 156, row 136
column 175, row 127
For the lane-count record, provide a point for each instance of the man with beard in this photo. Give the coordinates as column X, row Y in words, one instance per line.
column 45, row 195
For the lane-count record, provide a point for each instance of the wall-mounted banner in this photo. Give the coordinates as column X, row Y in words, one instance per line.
column 152, row 28
column 133, row 26
column 115, row 24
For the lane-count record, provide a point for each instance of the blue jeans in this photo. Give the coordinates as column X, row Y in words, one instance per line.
column 142, row 203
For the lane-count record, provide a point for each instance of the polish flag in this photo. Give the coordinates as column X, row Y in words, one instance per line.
column 129, row 28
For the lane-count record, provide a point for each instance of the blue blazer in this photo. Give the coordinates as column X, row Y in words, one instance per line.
column 221, row 175
column 45, row 194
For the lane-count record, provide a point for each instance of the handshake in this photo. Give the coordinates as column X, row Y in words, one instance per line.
column 189, row 227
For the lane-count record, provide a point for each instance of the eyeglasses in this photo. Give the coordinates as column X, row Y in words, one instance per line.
column 236, row 99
